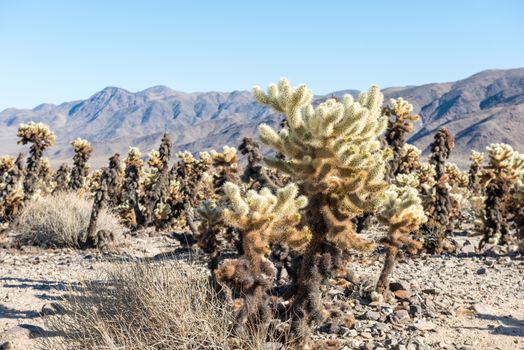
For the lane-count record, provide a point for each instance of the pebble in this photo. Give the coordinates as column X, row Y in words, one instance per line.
column 422, row 325
column 372, row 315
column 483, row 309
column 481, row 271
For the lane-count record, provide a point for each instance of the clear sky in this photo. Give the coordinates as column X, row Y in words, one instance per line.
column 55, row 51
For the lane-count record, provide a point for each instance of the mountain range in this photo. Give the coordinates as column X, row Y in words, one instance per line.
column 481, row 109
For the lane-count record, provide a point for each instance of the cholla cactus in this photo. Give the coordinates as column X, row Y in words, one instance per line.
column 129, row 208
column 402, row 210
column 40, row 137
column 475, row 171
column 46, row 183
column 62, row 178
column 409, row 159
column 153, row 195
column 154, row 160
column 11, row 189
column 254, row 173
column 333, row 153
column 500, row 177
column 104, row 196
column 185, row 192
column 92, row 183
column 83, row 150
column 263, row 218
column 439, row 226
column 456, row 177
column 210, row 228
column 518, row 210
column 225, row 166
column 400, row 124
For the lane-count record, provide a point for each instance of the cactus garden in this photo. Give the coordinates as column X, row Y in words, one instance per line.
column 330, row 231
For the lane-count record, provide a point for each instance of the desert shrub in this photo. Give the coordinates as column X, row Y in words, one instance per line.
column 61, row 220
column 148, row 306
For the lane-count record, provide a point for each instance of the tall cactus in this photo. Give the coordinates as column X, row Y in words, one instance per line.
column 62, row 178
column 333, row 153
column 129, row 202
column 439, row 226
column 400, row 124
column 475, row 171
column 83, row 150
column 500, row 176
column 154, row 196
column 41, row 138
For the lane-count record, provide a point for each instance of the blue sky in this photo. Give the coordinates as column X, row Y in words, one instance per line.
column 55, row 51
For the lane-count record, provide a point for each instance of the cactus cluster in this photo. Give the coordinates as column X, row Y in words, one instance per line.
column 275, row 232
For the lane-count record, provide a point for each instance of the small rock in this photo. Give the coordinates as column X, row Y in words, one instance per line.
column 400, row 316
column 431, row 291
column 467, row 248
column 422, row 325
column 415, row 309
column 372, row 315
column 394, row 286
column 481, row 271
column 366, row 335
column 352, row 333
column 481, row 308
column 414, row 285
column 7, row 346
column 402, row 294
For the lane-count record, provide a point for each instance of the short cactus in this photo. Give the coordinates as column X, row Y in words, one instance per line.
column 263, row 218
column 402, row 211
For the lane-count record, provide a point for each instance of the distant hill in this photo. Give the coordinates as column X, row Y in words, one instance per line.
column 484, row 108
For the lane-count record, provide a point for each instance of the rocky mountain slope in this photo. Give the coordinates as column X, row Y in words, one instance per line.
column 486, row 107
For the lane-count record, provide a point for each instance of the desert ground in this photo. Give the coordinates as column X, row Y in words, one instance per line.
column 461, row 301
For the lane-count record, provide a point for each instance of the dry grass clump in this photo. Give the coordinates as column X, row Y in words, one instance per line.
column 61, row 220
column 144, row 306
